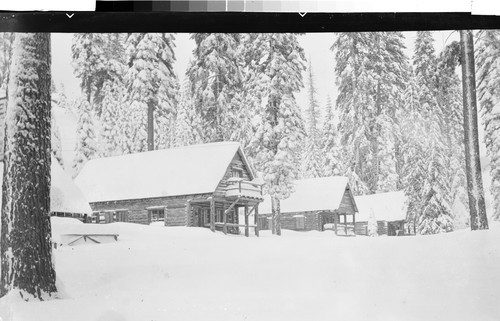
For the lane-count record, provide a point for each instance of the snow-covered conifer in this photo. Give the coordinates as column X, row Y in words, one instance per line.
column 6, row 41
column 372, row 224
column 187, row 125
column 371, row 72
column 27, row 270
column 426, row 178
column 332, row 163
column 276, row 145
column 86, row 145
column 151, row 81
column 56, row 142
column 488, row 84
column 216, row 79
column 311, row 161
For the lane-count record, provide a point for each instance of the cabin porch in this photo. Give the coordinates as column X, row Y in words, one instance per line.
column 341, row 222
column 223, row 214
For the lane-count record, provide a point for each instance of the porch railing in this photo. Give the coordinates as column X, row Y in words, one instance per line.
column 239, row 187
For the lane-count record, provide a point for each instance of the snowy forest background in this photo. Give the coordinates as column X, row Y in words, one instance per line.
column 389, row 117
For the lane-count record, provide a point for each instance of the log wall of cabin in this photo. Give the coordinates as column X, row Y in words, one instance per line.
column 362, row 228
column 175, row 208
column 236, row 163
column 289, row 222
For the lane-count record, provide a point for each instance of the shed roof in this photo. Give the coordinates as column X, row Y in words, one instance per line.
column 195, row 169
column 390, row 206
column 65, row 196
column 312, row 194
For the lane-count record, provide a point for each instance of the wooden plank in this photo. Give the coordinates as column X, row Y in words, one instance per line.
column 76, row 239
column 232, row 205
column 90, row 238
column 239, row 225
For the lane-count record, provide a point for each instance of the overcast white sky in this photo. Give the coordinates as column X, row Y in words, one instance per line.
column 316, row 46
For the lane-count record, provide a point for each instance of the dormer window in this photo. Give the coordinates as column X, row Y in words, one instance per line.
column 237, row 173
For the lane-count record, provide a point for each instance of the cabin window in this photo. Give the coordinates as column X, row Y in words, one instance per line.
column 237, row 173
column 300, row 222
column 218, row 215
column 157, row 215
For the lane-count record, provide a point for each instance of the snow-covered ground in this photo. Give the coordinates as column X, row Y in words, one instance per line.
column 179, row 273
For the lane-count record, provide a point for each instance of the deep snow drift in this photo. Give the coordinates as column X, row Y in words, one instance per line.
column 180, row 273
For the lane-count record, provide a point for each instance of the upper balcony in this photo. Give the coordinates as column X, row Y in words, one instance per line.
column 237, row 187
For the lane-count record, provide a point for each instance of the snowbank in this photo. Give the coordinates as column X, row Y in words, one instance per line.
column 181, row 273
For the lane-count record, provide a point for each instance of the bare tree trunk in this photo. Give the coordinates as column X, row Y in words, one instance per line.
column 478, row 219
column 25, row 243
column 276, row 211
column 151, row 128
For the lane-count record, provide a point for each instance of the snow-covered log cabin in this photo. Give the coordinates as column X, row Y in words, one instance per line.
column 316, row 204
column 389, row 210
column 66, row 199
column 204, row 185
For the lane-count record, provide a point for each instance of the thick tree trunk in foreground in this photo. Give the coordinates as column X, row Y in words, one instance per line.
column 25, row 244
column 478, row 219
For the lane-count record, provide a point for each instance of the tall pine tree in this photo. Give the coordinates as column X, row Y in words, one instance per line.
column 371, row 70
column 477, row 206
column 488, row 86
column 426, row 168
column 151, row 81
column 332, row 164
column 27, row 269
column 86, row 145
column 215, row 75
column 278, row 61
column 449, row 100
column 312, row 155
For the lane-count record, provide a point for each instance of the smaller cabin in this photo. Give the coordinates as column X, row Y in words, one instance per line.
column 316, row 204
column 389, row 210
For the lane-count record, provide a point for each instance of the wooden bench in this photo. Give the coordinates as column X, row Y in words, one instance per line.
column 90, row 236
column 223, row 225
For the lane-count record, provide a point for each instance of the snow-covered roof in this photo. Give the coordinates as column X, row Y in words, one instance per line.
column 390, row 206
column 195, row 169
column 65, row 196
column 312, row 194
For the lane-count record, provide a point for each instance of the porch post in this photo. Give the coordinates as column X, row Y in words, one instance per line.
column 354, row 222
column 212, row 215
column 336, row 218
column 246, row 220
column 188, row 214
column 345, row 224
column 224, row 218
column 256, row 219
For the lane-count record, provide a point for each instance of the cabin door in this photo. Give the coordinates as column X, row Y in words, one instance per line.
column 326, row 218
